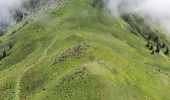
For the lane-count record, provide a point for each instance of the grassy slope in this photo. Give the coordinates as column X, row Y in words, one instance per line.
column 116, row 66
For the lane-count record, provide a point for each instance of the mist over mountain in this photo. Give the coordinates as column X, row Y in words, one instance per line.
column 156, row 10
column 78, row 50
column 5, row 7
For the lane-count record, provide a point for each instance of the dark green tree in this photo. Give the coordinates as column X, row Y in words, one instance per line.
column 157, row 49
column 4, row 54
column 163, row 45
column 149, row 37
column 156, row 39
column 151, row 47
column 159, row 70
column 153, row 51
column 10, row 45
column 166, row 51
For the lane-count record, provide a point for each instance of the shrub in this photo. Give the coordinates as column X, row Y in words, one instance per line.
column 72, row 52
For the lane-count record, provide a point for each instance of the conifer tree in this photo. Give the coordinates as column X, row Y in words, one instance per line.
column 163, row 45
column 153, row 51
column 166, row 51
column 156, row 39
column 149, row 37
column 157, row 49
column 151, row 47
column 4, row 54
column 10, row 45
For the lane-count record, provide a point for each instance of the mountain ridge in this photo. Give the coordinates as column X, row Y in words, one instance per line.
column 80, row 52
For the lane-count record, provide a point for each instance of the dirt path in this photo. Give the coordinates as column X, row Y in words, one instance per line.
column 17, row 93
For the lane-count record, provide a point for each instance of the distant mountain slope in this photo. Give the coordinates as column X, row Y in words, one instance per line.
column 79, row 52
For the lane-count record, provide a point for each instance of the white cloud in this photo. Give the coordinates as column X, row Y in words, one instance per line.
column 5, row 6
column 158, row 10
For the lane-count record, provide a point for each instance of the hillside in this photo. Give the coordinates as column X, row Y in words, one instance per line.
column 80, row 52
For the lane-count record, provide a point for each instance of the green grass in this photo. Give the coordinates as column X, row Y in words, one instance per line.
column 117, row 66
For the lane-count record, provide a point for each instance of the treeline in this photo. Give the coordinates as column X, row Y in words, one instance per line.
column 156, row 46
column 155, row 41
column 138, row 25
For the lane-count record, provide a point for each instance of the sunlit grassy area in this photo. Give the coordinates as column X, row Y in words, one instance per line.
column 115, row 66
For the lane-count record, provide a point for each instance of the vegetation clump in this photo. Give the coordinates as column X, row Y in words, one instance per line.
column 72, row 52
column 5, row 50
column 7, row 89
column 139, row 27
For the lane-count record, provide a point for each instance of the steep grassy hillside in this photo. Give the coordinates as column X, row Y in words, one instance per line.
column 78, row 52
